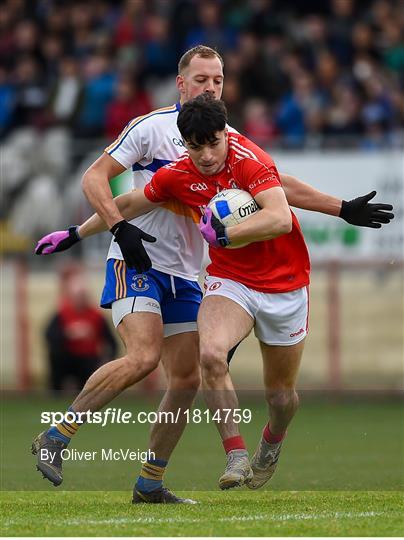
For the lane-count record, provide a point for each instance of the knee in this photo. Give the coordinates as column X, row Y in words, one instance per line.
column 282, row 399
column 213, row 362
column 139, row 364
column 189, row 379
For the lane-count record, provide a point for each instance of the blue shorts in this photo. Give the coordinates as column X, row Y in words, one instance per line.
column 177, row 300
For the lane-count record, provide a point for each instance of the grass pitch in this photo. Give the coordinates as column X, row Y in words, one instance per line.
column 340, row 474
column 237, row 513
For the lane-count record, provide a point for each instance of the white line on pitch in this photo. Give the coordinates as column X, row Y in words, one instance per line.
column 259, row 517
column 150, row 520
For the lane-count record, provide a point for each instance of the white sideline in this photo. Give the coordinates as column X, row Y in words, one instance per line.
column 258, row 517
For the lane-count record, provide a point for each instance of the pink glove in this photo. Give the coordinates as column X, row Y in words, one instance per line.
column 213, row 230
column 58, row 241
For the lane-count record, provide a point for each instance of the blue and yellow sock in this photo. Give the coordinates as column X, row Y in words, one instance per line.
column 151, row 475
column 65, row 430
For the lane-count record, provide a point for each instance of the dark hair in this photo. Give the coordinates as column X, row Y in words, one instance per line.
column 200, row 50
column 200, row 118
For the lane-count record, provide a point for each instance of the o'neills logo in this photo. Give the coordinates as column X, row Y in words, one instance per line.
column 297, row 333
column 248, row 209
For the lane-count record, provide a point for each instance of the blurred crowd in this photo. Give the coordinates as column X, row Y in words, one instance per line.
column 293, row 73
column 313, row 74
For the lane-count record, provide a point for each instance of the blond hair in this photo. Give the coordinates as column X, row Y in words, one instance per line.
column 200, row 50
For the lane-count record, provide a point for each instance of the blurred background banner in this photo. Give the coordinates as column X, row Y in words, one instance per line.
column 349, row 174
column 318, row 84
column 121, row 184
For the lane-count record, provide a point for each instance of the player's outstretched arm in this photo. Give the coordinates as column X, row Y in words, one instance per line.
column 302, row 195
column 358, row 211
column 63, row 240
column 130, row 205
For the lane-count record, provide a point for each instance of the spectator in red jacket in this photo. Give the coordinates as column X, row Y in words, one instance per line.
column 78, row 336
column 129, row 102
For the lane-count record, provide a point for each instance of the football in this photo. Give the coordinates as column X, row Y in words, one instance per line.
column 233, row 206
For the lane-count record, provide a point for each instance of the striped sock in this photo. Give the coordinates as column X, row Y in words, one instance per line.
column 151, row 475
column 66, row 429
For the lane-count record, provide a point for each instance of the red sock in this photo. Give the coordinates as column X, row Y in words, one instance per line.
column 234, row 443
column 271, row 438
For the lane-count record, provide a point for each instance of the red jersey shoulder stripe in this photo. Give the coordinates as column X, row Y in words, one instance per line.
column 242, row 149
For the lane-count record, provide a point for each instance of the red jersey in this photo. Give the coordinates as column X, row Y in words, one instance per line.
column 271, row 266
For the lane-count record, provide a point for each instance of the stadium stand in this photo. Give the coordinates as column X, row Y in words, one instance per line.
column 322, row 75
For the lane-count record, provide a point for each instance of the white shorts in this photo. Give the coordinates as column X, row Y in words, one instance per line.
column 280, row 318
column 125, row 306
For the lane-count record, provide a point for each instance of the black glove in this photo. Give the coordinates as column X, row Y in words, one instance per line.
column 360, row 212
column 129, row 238
column 58, row 241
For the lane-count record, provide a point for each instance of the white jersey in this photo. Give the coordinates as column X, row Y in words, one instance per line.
column 146, row 144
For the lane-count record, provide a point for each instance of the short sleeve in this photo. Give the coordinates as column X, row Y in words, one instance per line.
column 157, row 190
column 129, row 147
column 257, row 176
